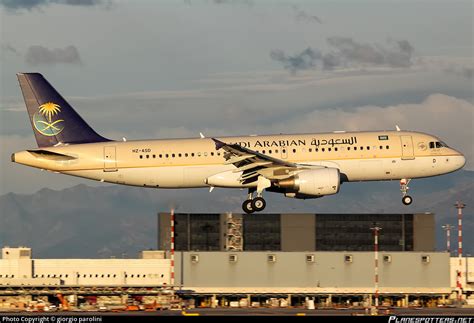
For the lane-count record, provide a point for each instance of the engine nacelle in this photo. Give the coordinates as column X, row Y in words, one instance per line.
column 313, row 182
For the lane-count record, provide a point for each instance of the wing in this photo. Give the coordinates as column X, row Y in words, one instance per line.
column 252, row 163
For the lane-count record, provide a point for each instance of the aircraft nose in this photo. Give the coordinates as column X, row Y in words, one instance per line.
column 462, row 161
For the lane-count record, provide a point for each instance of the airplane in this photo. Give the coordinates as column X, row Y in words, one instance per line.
column 301, row 166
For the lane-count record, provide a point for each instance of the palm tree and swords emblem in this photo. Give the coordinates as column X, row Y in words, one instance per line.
column 44, row 119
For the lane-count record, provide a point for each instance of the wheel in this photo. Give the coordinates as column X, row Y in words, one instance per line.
column 247, row 206
column 407, row 200
column 258, row 204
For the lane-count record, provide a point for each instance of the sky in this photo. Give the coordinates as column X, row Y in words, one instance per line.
column 164, row 69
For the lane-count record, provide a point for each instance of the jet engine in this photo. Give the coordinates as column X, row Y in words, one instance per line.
column 312, row 182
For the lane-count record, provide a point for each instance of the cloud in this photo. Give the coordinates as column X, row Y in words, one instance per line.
column 15, row 5
column 245, row 2
column 39, row 55
column 347, row 52
column 307, row 59
column 441, row 115
column 10, row 49
column 301, row 15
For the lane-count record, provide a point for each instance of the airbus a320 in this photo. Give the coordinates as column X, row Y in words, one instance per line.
column 300, row 166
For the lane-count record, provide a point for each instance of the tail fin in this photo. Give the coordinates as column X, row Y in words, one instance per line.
column 52, row 118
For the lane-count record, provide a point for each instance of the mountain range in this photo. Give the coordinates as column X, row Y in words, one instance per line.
column 119, row 221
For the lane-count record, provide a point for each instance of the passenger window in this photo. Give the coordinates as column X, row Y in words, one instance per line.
column 270, row 151
column 192, row 154
column 322, row 149
column 212, row 154
column 154, row 156
column 387, row 147
column 310, row 150
column 147, row 156
column 361, row 148
column 335, row 149
column 263, row 151
column 199, row 154
column 368, row 148
column 276, row 151
column 205, row 154
column 161, row 156
column 316, row 150
column 348, row 148
column 355, row 148
column 381, row 147
column 179, row 155
column 294, row 150
column 329, row 149
column 284, row 150
column 166, row 155
column 172, row 155
column 141, row 157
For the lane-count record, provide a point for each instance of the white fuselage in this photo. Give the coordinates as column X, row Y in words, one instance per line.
column 188, row 163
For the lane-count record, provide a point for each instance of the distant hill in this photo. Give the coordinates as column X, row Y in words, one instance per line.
column 95, row 222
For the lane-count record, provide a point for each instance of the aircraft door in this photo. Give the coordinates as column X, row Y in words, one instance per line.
column 407, row 147
column 284, row 152
column 110, row 160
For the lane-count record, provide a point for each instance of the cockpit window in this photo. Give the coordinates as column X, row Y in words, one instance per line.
column 437, row 144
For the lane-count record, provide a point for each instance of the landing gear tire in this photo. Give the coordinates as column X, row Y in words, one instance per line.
column 407, row 199
column 258, row 204
column 247, row 206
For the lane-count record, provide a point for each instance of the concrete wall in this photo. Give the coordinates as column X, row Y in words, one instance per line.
column 423, row 232
column 291, row 269
column 298, row 232
column 87, row 272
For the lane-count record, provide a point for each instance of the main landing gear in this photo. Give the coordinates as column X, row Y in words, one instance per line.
column 252, row 204
column 406, row 199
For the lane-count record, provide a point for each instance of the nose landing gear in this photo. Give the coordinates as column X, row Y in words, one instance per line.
column 406, row 199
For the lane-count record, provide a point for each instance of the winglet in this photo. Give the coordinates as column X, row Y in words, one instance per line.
column 398, row 128
column 219, row 144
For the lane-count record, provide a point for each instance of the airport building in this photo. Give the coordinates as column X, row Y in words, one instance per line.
column 288, row 258
column 297, row 232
